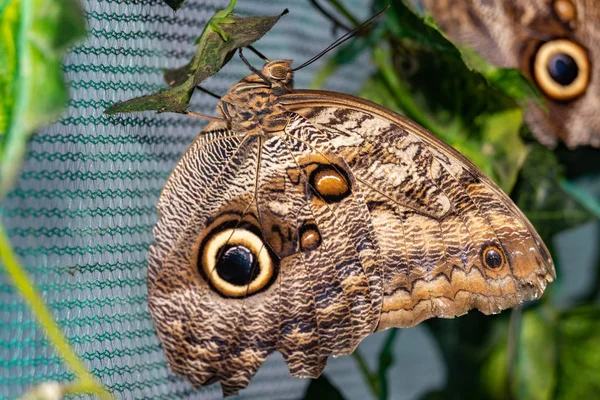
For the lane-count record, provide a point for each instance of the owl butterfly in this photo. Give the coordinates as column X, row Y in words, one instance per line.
column 302, row 221
column 554, row 42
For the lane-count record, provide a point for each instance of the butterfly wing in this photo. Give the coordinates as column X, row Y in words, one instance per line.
column 539, row 37
column 320, row 293
column 448, row 238
column 209, row 180
column 305, row 241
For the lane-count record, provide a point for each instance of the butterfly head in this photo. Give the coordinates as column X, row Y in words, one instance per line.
column 280, row 75
column 276, row 76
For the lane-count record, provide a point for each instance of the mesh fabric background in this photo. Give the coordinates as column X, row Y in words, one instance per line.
column 82, row 214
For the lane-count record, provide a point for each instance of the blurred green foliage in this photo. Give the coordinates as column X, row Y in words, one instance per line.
column 555, row 357
column 544, row 350
column 34, row 37
column 541, row 196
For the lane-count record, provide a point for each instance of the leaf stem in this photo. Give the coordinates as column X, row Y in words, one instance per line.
column 401, row 93
column 82, row 386
column 371, row 378
column 342, row 10
column 378, row 381
column 583, row 198
column 512, row 344
column 386, row 360
column 87, row 382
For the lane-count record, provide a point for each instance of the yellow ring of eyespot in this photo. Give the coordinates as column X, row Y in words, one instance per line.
column 497, row 250
column 239, row 237
column 545, row 81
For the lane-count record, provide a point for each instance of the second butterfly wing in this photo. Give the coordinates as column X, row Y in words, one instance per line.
column 447, row 238
column 554, row 42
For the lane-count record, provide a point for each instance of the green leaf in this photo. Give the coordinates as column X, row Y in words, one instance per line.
column 509, row 81
column 558, row 357
column 223, row 34
column 541, row 196
column 502, row 145
column 34, row 37
column 322, row 389
column 533, row 376
column 579, row 349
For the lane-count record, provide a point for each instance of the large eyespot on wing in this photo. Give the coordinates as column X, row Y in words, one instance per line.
column 234, row 260
column 268, row 259
column 208, row 336
column 561, row 68
column 450, row 240
column 216, row 312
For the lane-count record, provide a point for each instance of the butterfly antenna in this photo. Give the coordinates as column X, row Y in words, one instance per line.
column 251, row 68
column 216, row 96
column 342, row 39
column 258, row 53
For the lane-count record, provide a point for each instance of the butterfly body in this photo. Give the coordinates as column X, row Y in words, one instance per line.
column 309, row 219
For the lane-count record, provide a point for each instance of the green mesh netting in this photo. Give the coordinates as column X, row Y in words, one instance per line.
column 82, row 214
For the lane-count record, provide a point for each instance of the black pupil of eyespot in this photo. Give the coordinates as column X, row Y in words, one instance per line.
column 563, row 68
column 236, row 265
column 493, row 259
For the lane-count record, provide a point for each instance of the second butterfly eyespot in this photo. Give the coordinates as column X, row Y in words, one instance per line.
column 329, row 183
column 236, row 262
column 565, row 10
column 310, row 238
column 492, row 257
column 561, row 69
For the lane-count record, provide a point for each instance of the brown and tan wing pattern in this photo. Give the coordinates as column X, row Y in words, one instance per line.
column 307, row 239
column 449, row 239
column 316, row 290
column 211, row 180
column 554, row 42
